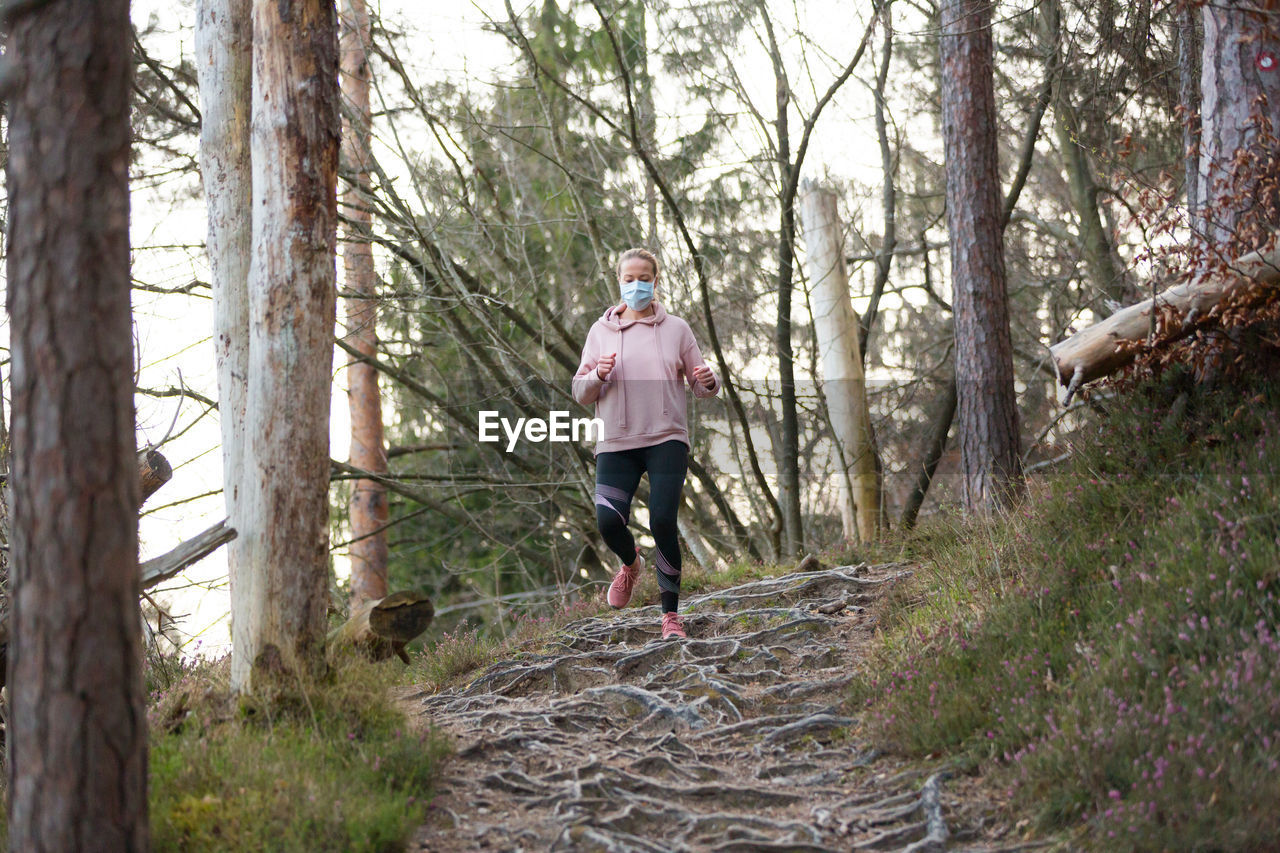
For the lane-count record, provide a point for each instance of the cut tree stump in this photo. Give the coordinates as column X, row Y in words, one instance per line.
column 153, row 470
column 380, row 629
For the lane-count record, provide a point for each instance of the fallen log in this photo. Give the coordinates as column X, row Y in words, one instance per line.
column 160, row 569
column 380, row 629
column 1098, row 350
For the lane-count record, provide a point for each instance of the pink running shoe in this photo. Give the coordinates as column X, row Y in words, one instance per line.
column 624, row 582
column 672, row 626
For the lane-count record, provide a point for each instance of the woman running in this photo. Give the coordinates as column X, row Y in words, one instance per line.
column 633, row 366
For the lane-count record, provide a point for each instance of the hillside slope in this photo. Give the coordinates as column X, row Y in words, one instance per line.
column 738, row 739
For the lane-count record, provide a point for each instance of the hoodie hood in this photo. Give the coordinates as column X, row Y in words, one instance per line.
column 642, row 402
column 612, row 317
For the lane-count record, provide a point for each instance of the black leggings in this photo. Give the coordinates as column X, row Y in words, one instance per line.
column 617, row 478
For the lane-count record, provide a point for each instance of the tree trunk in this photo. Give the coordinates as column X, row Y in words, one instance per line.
column 368, row 509
column 224, row 63
column 1099, row 258
column 648, row 132
column 1189, row 95
column 77, row 739
column 838, row 330
column 888, row 194
column 1104, row 273
column 935, row 445
column 788, row 454
column 698, row 546
column 984, row 350
column 1240, row 115
column 295, row 132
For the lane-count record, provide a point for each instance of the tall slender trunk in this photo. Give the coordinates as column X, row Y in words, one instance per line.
column 788, row 455
column 1189, row 96
column 984, row 350
column 838, row 331
column 888, row 194
column 1105, row 274
column 224, row 65
column 77, row 723
column 295, row 132
column 368, row 508
column 648, row 133
column 934, row 446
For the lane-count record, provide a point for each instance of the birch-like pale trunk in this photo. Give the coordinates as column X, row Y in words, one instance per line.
column 292, row 277
column 837, row 326
column 76, row 721
column 368, row 508
column 224, row 65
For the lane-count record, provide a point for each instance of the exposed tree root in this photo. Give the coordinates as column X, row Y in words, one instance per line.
column 737, row 739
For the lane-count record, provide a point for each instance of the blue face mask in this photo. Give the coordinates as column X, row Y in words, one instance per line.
column 637, row 294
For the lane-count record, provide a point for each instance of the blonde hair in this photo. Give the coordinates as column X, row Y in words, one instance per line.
column 638, row 253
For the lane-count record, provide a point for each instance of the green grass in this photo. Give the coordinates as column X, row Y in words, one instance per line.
column 457, row 656
column 333, row 767
column 1108, row 651
column 696, row 580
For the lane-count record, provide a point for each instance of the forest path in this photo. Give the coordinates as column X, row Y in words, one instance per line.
column 734, row 740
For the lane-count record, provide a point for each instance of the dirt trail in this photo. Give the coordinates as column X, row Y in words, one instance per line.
column 733, row 740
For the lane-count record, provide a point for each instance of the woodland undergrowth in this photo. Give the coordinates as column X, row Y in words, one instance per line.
column 332, row 767
column 1108, row 652
column 336, row 766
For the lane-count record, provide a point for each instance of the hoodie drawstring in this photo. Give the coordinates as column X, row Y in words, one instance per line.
column 622, row 385
column 657, row 341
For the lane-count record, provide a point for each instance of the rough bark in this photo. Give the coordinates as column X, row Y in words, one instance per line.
column 1240, row 99
column 984, row 350
column 368, row 508
column 77, row 725
column 224, row 64
column 838, row 330
column 1189, row 95
column 294, row 146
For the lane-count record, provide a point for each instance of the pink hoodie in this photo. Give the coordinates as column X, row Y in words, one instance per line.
column 641, row 403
